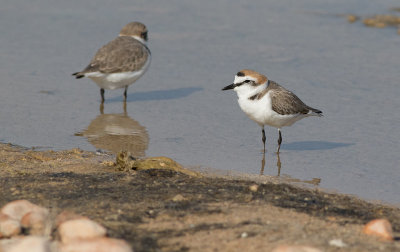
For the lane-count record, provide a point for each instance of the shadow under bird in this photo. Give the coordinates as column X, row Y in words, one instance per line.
column 267, row 103
column 121, row 62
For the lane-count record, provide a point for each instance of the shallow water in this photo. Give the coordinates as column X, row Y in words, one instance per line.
column 348, row 71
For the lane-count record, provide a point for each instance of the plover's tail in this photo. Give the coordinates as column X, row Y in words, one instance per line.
column 315, row 112
column 78, row 75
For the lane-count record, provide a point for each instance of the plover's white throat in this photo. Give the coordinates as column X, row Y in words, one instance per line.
column 120, row 62
column 268, row 103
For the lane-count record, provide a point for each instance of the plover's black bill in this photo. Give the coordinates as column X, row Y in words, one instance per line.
column 232, row 86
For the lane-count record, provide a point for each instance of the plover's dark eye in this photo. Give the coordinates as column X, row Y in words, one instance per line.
column 247, row 81
column 144, row 35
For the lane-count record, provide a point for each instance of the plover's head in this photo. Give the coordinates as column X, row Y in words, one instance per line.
column 247, row 81
column 136, row 30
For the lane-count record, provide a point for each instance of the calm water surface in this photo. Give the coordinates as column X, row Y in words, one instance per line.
column 177, row 108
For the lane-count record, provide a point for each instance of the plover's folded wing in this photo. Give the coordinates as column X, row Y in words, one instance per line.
column 123, row 54
column 285, row 102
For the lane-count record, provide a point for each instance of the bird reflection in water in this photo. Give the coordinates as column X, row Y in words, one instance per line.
column 278, row 164
column 117, row 132
column 313, row 181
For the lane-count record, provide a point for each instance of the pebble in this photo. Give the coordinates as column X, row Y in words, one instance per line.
column 82, row 228
column 100, row 244
column 77, row 233
column 178, row 198
column 66, row 216
column 31, row 244
column 18, row 208
column 352, row 18
column 296, row 248
column 337, row 243
column 8, row 226
column 380, row 228
column 36, row 221
column 253, row 188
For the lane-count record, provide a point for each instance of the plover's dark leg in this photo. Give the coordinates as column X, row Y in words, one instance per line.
column 263, row 137
column 279, row 141
column 125, row 93
column 102, row 94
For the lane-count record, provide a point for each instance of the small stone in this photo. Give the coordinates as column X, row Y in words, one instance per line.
column 151, row 213
column 380, row 25
column 244, row 235
column 8, row 226
column 36, row 221
column 288, row 248
column 108, row 163
column 380, row 228
column 253, row 188
column 66, row 216
column 337, row 243
column 31, row 244
column 18, row 208
column 80, row 229
column 372, row 22
column 352, row 18
column 76, row 151
column 368, row 22
column 178, row 198
column 101, row 244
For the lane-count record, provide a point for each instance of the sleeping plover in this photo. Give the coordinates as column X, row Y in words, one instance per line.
column 120, row 62
column 267, row 103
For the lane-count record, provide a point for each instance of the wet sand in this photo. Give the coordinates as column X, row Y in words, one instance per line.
column 166, row 210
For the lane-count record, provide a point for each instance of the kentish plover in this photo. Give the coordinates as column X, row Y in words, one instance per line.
column 268, row 103
column 120, row 62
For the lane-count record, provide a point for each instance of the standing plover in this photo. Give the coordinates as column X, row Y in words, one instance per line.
column 120, row 62
column 267, row 103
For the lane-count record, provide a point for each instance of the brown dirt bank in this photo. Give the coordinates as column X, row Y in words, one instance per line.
column 163, row 210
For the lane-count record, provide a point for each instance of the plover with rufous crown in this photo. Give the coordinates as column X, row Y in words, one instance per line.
column 121, row 62
column 267, row 103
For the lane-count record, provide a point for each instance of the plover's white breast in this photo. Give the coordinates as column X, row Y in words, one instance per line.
column 262, row 113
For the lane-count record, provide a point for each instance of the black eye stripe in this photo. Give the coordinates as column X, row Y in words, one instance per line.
column 245, row 82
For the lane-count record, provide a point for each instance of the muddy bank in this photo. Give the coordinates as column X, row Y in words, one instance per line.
column 379, row 20
column 164, row 210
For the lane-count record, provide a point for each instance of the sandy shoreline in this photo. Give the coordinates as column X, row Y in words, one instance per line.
column 164, row 210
